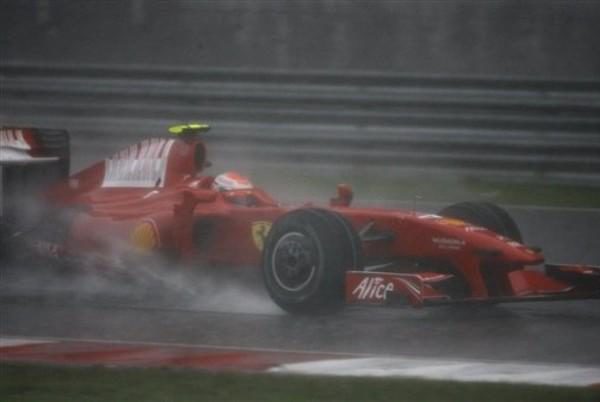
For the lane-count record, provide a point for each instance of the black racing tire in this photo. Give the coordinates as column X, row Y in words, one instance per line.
column 305, row 259
column 486, row 215
column 43, row 243
column 22, row 186
column 353, row 255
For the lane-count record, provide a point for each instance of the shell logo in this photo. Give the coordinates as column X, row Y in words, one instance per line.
column 144, row 236
column 260, row 230
column 453, row 222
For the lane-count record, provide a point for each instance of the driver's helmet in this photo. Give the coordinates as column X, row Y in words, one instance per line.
column 230, row 181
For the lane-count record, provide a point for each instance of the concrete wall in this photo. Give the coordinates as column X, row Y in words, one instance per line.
column 511, row 37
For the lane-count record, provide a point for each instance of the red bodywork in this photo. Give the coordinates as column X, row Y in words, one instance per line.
column 155, row 197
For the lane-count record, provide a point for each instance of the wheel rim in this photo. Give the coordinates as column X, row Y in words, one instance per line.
column 293, row 262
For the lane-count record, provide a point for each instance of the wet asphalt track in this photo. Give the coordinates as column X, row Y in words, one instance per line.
column 567, row 332
column 236, row 313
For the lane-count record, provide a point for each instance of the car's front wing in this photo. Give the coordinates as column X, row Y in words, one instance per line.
column 555, row 282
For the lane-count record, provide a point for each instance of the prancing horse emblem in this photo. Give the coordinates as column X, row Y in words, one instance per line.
column 260, row 230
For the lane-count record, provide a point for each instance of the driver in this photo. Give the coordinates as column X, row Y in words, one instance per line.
column 230, row 181
column 235, row 188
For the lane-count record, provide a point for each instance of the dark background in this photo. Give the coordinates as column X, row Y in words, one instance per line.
column 508, row 38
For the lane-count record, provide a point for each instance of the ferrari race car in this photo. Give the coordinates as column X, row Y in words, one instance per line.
column 154, row 198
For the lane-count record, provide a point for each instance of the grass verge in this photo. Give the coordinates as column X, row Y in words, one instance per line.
column 39, row 383
column 304, row 185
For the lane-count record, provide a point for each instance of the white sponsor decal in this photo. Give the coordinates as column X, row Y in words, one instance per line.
column 448, row 243
column 13, row 139
column 140, row 165
column 373, row 288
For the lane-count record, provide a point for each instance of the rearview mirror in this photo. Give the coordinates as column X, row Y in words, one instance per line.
column 344, row 196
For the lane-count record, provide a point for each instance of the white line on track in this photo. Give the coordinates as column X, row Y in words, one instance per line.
column 452, row 370
column 14, row 342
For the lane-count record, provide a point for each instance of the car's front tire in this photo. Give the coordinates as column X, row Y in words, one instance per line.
column 486, row 215
column 305, row 259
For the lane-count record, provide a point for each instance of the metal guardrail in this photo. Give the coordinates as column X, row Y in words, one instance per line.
column 525, row 126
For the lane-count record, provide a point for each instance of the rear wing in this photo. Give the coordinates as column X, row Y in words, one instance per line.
column 31, row 159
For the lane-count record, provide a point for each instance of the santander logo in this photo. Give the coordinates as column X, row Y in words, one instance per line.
column 373, row 288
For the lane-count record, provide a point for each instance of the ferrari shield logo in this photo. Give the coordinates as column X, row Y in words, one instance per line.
column 260, row 230
column 144, row 237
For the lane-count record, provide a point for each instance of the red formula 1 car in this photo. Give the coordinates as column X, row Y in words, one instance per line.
column 154, row 197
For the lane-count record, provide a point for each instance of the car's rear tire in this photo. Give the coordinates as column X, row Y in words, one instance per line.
column 305, row 259
column 487, row 215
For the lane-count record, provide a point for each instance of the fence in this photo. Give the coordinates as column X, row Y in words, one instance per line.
column 477, row 125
